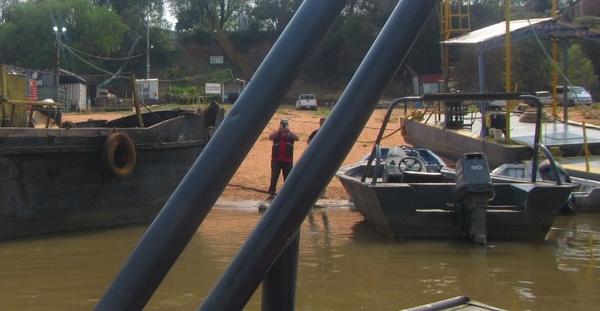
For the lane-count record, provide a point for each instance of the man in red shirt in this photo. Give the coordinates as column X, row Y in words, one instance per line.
column 282, row 156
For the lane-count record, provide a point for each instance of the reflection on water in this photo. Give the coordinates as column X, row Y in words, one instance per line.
column 344, row 265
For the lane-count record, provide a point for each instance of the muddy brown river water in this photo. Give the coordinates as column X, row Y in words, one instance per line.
column 344, row 265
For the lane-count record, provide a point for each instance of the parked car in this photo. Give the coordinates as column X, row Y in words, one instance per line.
column 307, row 101
column 576, row 95
column 496, row 105
column 544, row 96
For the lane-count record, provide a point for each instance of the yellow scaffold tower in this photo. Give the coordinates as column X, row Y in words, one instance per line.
column 455, row 20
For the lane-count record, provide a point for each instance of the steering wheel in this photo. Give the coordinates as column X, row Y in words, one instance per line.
column 410, row 164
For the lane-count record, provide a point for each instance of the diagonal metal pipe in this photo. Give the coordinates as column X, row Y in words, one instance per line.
column 185, row 210
column 321, row 159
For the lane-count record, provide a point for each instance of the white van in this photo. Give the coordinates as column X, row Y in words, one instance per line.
column 576, row 95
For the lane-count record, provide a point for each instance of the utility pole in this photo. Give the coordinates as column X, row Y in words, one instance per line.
column 58, row 32
column 147, row 47
column 508, row 68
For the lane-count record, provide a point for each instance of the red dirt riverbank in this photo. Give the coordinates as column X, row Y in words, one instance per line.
column 251, row 181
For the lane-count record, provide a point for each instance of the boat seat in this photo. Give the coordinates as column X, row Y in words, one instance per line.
column 395, row 178
column 422, row 177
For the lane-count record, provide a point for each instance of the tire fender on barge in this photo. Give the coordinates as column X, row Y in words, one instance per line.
column 119, row 155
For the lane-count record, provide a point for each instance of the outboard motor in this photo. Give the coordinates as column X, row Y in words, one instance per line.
column 473, row 190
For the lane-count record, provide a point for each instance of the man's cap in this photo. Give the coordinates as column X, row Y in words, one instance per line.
column 284, row 121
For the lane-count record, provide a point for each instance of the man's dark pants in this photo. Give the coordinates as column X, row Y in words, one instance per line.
column 276, row 168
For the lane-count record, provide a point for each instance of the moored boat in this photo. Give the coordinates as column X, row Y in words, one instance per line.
column 426, row 205
column 585, row 198
column 417, row 203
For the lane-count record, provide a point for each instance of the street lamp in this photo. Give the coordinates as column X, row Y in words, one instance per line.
column 58, row 32
column 147, row 47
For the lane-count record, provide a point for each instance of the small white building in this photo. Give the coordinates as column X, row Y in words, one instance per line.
column 147, row 88
column 231, row 89
column 76, row 94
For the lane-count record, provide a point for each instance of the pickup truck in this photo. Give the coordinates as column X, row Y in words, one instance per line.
column 307, row 101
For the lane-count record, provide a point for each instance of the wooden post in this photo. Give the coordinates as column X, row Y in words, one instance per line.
column 136, row 102
column 508, row 69
column 4, row 91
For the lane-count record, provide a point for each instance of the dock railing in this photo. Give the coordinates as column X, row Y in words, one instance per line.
column 443, row 97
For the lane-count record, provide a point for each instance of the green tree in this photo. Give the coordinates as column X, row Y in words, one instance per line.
column 273, row 14
column 145, row 19
column 539, row 6
column 124, row 7
column 580, row 69
column 206, row 14
column 530, row 75
column 5, row 5
column 425, row 55
column 485, row 13
column 27, row 38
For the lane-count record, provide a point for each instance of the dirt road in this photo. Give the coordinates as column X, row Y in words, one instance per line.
column 251, row 180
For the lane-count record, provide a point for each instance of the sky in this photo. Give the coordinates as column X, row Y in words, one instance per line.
column 170, row 16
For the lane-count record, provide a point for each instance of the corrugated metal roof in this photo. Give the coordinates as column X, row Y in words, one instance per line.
column 493, row 31
column 431, row 78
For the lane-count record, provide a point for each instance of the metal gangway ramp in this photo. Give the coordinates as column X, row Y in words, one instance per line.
column 270, row 253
